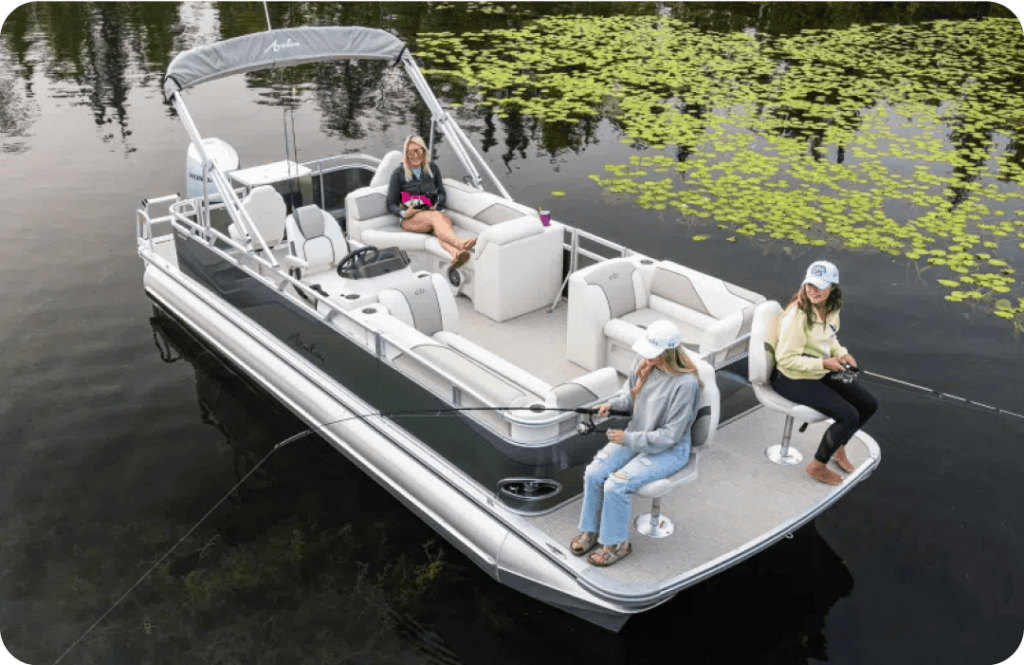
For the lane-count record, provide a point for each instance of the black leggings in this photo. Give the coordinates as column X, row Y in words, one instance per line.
column 849, row 404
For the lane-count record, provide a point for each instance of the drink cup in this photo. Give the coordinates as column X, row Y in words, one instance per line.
column 545, row 217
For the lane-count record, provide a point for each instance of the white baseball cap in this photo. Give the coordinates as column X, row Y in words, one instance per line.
column 659, row 337
column 822, row 274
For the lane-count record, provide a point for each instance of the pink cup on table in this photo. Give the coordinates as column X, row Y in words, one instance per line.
column 545, row 217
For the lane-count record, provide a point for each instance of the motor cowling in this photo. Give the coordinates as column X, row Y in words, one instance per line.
column 221, row 153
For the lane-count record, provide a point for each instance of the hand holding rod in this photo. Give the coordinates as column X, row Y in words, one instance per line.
column 612, row 412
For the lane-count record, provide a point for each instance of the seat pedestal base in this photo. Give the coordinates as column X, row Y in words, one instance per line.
column 788, row 458
column 661, row 528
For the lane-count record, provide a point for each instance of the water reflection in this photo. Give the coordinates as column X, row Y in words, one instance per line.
column 308, row 561
column 105, row 49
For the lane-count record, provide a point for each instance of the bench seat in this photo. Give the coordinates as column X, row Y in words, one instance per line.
column 516, row 266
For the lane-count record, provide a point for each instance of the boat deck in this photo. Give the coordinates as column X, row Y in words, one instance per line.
column 535, row 341
column 738, row 499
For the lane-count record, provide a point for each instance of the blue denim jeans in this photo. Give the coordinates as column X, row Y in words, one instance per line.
column 615, row 473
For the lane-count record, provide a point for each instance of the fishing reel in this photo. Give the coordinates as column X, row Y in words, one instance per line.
column 846, row 376
column 586, row 425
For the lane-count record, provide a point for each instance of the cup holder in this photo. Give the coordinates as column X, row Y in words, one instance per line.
column 351, row 296
column 528, row 489
column 646, row 262
column 369, row 310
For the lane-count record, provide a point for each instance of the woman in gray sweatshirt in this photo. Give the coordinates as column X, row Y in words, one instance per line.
column 662, row 391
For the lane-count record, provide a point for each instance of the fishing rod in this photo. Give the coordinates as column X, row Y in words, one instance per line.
column 585, row 427
column 850, row 372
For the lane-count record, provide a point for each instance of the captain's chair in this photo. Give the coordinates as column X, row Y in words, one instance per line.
column 702, row 432
column 315, row 239
column 764, row 334
column 266, row 209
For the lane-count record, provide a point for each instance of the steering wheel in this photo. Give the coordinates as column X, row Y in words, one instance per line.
column 355, row 254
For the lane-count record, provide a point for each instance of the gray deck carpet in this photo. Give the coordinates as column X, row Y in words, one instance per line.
column 534, row 341
column 739, row 497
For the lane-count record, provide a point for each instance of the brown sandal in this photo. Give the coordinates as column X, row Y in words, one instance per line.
column 583, row 543
column 609, row 554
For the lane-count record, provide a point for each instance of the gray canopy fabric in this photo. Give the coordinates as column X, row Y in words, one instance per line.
column 277, row 48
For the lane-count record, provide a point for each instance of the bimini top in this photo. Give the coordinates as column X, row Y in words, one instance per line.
column 277, row 48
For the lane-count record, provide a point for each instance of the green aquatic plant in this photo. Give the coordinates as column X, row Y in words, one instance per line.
column 902, row 139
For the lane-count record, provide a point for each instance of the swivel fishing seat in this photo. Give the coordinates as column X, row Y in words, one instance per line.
column 761, row 363
column 702, row 432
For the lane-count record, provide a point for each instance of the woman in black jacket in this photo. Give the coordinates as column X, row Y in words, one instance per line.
column 416, row 194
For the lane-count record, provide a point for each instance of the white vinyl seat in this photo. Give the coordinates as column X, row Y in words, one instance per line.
column 509, row 235
column 387, row 166
column 612, row 302
column 764, row 334
column 702, row 432
column 428, row 305
column 315, row 238
column 266, row 209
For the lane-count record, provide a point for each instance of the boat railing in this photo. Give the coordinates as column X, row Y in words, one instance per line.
column 576, row 251
column 209, row 236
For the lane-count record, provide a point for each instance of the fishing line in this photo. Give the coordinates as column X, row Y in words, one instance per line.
column 935, row 394
column 537, row 408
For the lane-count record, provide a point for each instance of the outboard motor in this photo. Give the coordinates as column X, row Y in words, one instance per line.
column 221, row 153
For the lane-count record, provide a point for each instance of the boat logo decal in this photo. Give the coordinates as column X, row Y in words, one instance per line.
column 277, row 47
column 296, row 339
column 419, row 292
column 612, row 276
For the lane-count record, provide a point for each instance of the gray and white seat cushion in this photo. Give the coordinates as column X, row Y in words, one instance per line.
column 266, row 209
column 315, row 237
column 597, row 294
column 607, row 315
column 427, row 304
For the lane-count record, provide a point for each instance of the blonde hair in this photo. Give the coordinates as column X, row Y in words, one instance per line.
column 412, row 138
column 676, row 362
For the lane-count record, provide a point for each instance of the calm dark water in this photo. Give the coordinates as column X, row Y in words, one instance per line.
column 119, row 432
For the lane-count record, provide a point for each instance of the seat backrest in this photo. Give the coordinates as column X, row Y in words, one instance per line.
column 315, row 237
column 620, row 281
column 708, row 407
column 425, row 303
column 761, row 354
column 266, row 209
column 699, row 291
column 387, row 166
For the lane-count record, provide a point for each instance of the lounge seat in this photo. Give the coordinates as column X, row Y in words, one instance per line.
column 515, row 268
column 425, row 320
column 611, row 302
